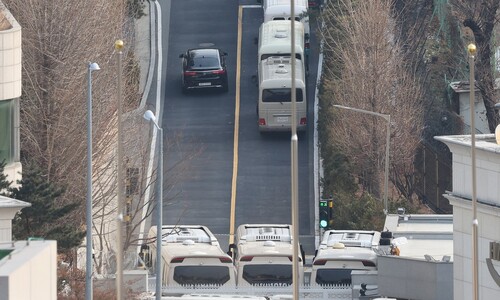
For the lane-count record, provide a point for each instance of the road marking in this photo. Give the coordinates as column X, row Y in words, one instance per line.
column 236, row 128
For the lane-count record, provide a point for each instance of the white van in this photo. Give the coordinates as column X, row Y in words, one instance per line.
column 191, row 257
column 274, row 106
column 263, row 255
column 280, row 10
column 342, row 251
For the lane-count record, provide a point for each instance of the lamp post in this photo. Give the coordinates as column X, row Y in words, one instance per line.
column 387, row 146
column 150, row 116
column 471, row 49
column 294, row 161
column 119, row 178
column 88, row 271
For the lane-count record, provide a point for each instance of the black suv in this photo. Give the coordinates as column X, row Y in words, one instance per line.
column 204, row 68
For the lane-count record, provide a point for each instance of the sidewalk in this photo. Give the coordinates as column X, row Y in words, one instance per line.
column 142, row 44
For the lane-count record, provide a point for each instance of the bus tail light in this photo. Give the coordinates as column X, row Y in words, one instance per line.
column 262, row 122
column 177, row 260
column 303, row 121
column 246, row 258
column 320, row 262
column 224, row 259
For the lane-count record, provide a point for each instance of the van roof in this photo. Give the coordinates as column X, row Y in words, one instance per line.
column 276, row 72
column 299, row 4
column 264, row 232
column 188, row 241
column 351, row 238
column 345, row 254
column 264, row 239
column 275, row 37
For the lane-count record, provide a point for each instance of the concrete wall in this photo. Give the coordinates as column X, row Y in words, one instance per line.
column 402, row 277
column 30, row 272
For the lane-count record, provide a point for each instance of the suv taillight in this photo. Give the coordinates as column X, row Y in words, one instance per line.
column 218, row 72
column 189, row 73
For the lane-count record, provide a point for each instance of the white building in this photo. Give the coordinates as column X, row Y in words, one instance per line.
column 488, row 215
column 28, row 269
column 424, row 268
column 10, row 91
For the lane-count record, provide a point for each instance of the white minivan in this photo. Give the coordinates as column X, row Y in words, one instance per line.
column 280, row 10
column 274, row 106
column 191, row 257
column 340, row 253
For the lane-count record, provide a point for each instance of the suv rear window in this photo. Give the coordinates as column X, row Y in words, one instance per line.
column 203, row 61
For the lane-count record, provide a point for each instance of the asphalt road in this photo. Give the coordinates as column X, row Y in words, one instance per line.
column 200, row 142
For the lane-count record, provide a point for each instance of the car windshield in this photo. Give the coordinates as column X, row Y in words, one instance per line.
column 203, row 61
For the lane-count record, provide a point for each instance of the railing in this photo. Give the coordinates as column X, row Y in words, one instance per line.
column 269, row 290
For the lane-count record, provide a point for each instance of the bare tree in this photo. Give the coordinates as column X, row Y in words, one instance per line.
column 481, row 18
column 59, row 39
column 366, row 70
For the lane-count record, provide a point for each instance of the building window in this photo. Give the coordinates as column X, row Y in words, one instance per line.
column 7, row 110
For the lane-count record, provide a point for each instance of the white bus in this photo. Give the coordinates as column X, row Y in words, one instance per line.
column 342, row 251
column 191, row 257
column 280, row 10
column 274, row 106
column 275, row 40
column 263, row 255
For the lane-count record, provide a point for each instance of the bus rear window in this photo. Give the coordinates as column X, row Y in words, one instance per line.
column 333, row 276
column 268, row 274
column 281, row 95
column 201, row 275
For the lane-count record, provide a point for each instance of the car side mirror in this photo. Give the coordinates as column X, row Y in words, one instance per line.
column 224, row 53
column 181, row 56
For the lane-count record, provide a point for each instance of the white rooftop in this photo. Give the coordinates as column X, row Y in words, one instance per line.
column 428, row 236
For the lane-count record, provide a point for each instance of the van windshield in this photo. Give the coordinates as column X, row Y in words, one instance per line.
column 333, row 276
column 268, row 274
column 281, row 95
column 201, row 275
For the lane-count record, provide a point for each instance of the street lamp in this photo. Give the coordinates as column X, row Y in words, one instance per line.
column 150, row 116
column 88, row 272
column 119, row 176
column 387, row 145
column 471, row 49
